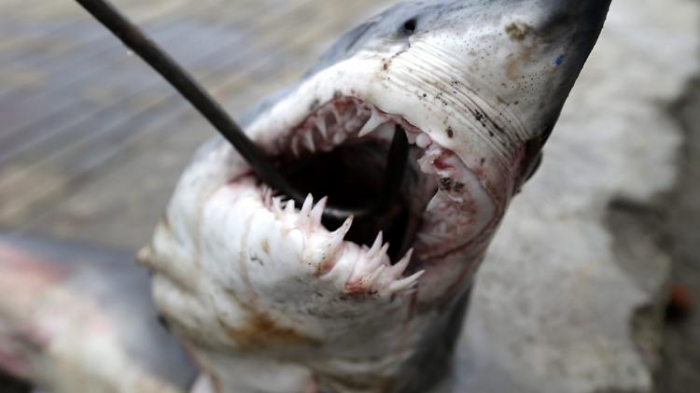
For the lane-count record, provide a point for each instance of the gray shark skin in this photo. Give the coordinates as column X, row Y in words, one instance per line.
column 269, row 299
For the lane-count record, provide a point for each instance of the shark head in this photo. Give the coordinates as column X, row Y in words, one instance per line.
column 248, row 279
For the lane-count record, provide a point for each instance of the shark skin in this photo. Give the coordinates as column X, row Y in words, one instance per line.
column 80, row 319
column 267, row 298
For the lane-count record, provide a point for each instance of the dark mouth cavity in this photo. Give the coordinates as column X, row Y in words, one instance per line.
column 352, row 176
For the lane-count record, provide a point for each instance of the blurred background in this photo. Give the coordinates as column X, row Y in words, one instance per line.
column 92, row 141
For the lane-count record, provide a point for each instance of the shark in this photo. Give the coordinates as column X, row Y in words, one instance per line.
column 265, row 295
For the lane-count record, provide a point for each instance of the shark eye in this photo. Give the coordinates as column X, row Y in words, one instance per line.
column 409, row 26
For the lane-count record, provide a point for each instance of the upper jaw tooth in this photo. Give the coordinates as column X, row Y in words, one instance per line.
column 339, row 137
column 336, row 115
column 423, row 141
column 372, row 123
column 295, row 147
column 321, row 126
column 309, row 141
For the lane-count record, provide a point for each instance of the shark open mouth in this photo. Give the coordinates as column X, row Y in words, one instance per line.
column 338, row 153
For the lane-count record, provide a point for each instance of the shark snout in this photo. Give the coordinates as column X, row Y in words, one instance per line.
column 564, row 17
column 549, row 42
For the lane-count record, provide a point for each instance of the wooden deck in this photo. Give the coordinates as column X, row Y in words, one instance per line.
column 92, row 140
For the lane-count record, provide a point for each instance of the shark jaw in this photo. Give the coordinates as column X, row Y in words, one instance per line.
column 338, row 151
column 248, row 279
column 244, row 253
column 346, row 115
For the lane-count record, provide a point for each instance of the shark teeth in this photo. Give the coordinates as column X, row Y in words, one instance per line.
column 374, row 121
column 317, row 211
column 334, row 123
column 295, row 147
column 375, row 261
column 339, row 138
column 309, row 215
column 423, row 141
column 277, row 205
column 346, row 119
column 405, row 284
column 371, row 279
column 309, row 142
column 321, row 127
column 344, row 229
column 357, row 269
column 306, row 207
column 267, row 196
column 336, row 115
column 400, row 267
column 376, row 245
